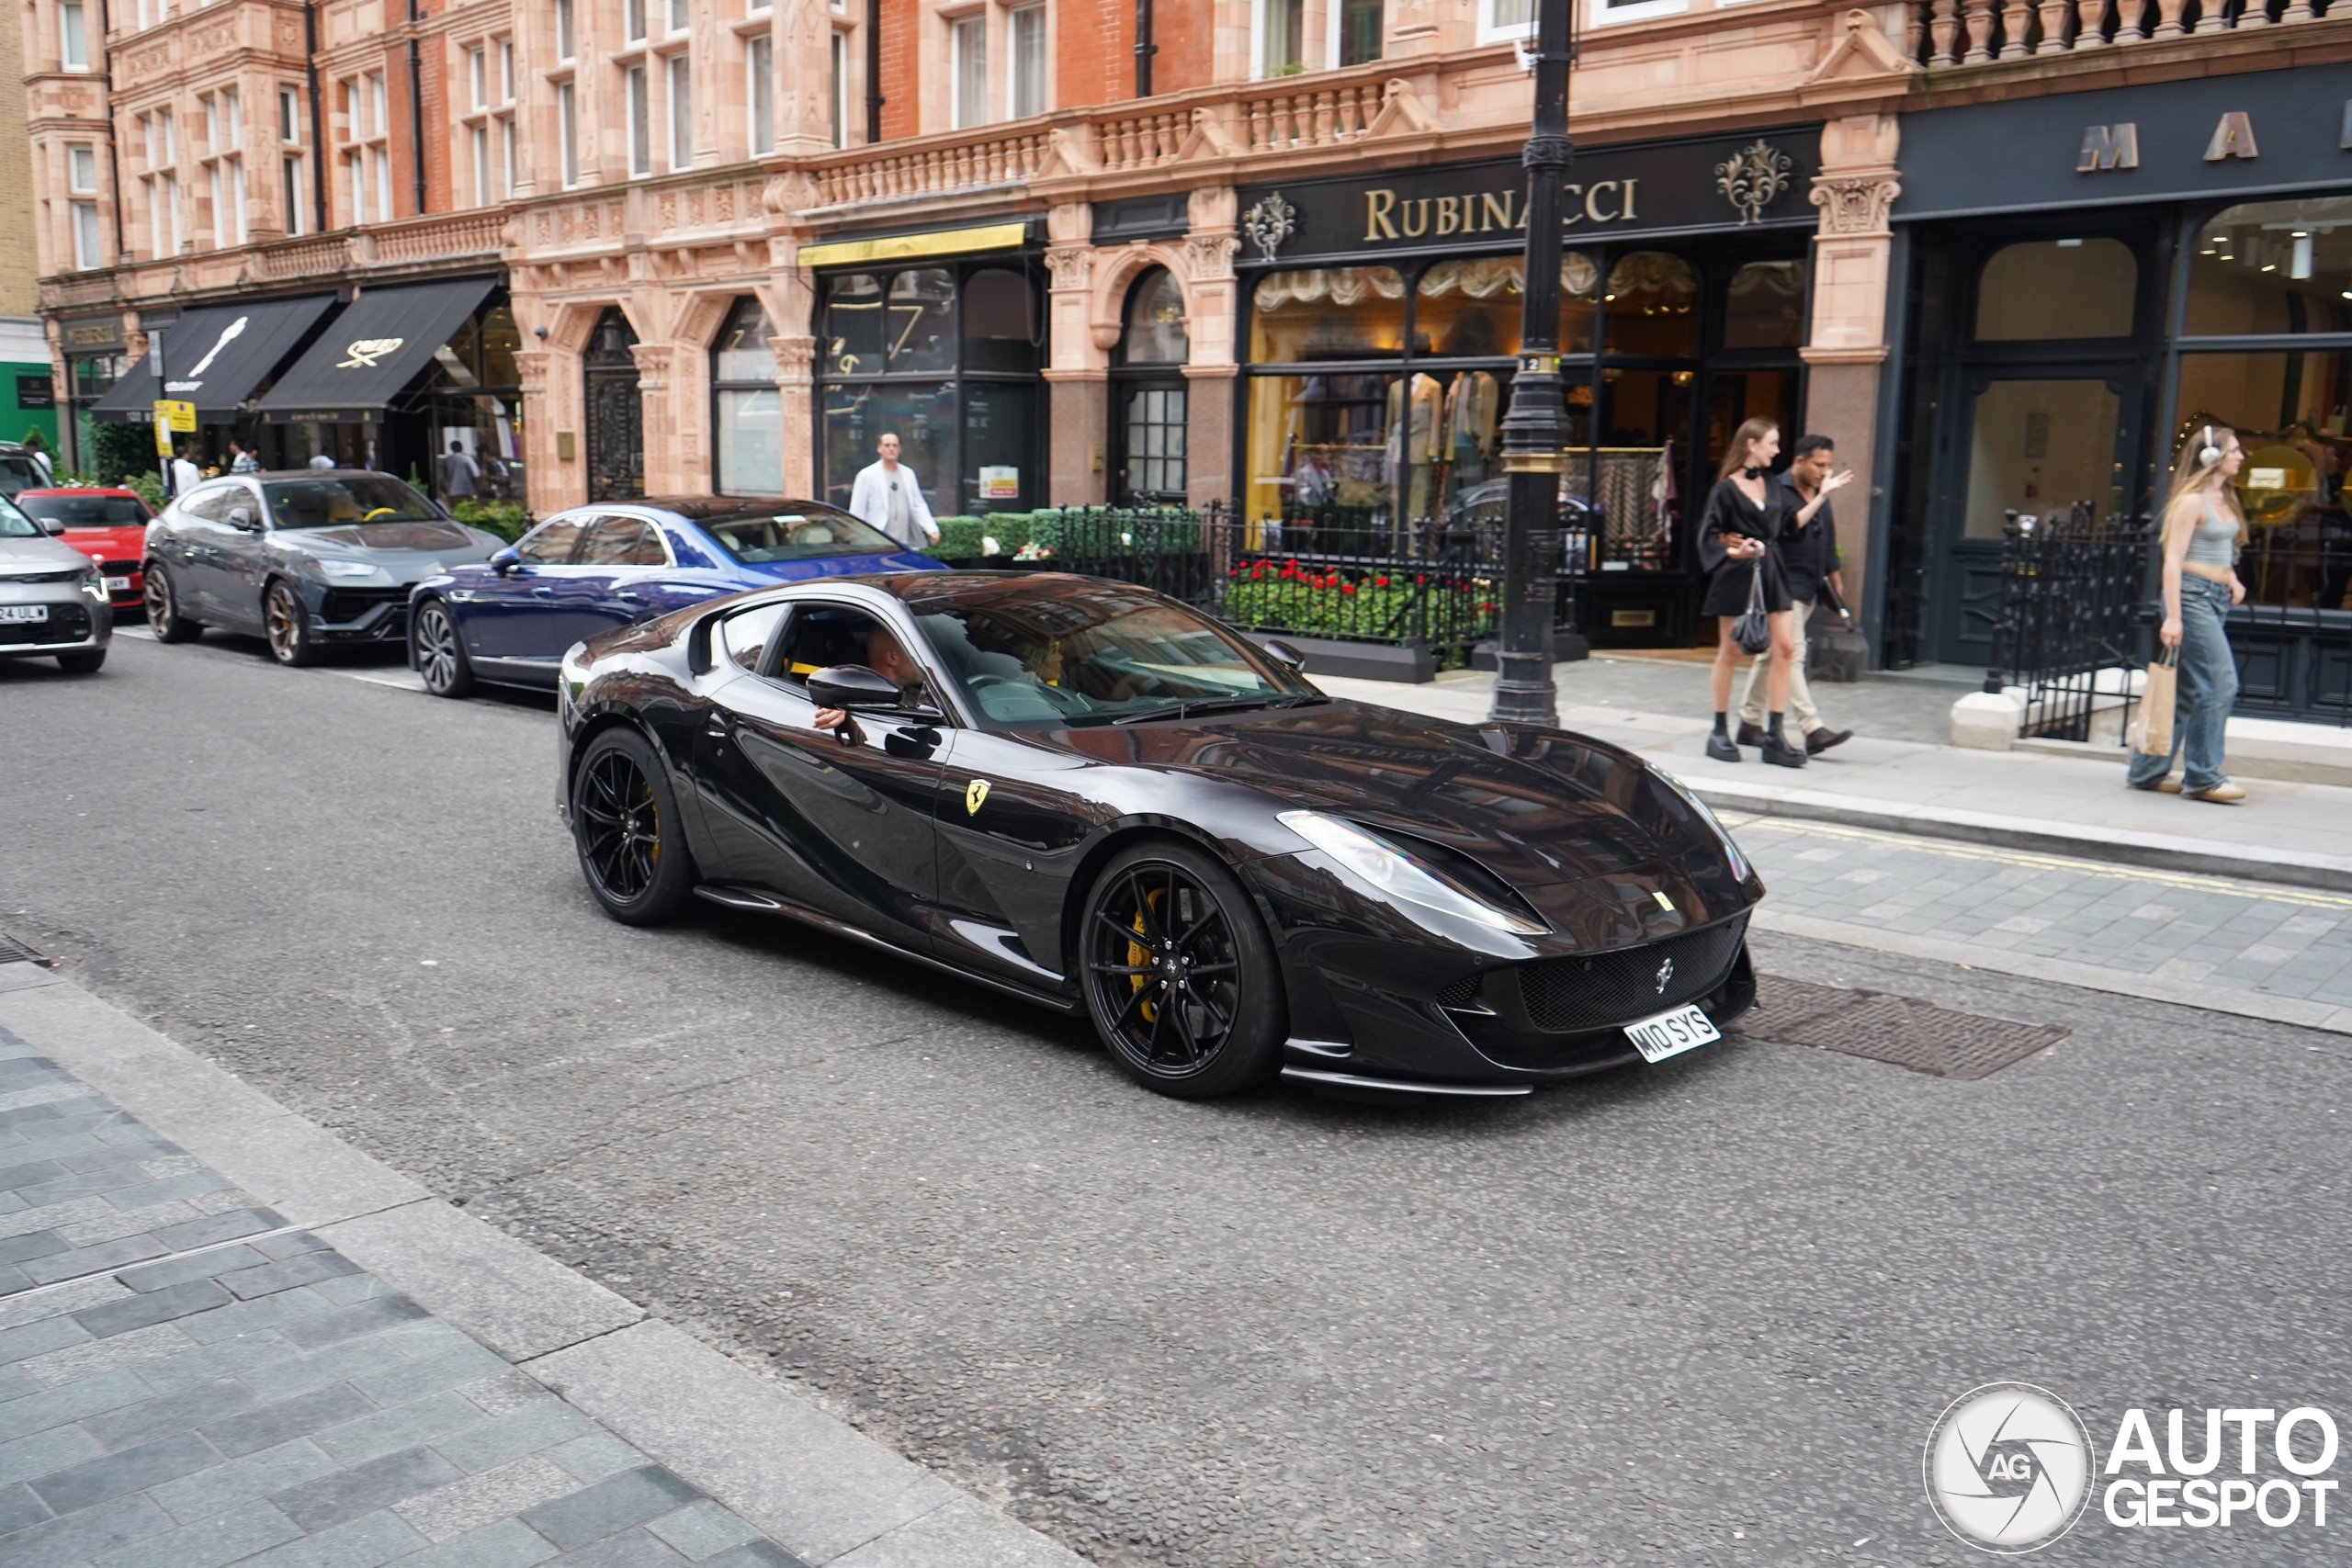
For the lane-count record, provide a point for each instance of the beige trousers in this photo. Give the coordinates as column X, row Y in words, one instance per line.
column 1751, row 701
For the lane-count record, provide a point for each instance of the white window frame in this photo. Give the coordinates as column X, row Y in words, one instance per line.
column 505, row 70
column 290, row 183
column 1258, row 40
column 478, row 75
column 289, row 117
column 838, row 89
column 1493, row 31
column 167, row 203
column 1600, row 13
column 1016, row 77
column 567, row 30
column 678, row 101
column 759, row 90
column 970, row 28
column 637, row 114
column 74, row 35
column 89, row 239
column 508, row 157
column 81, row 158
column 478, row 144
column 567, row 134
column 635, row 22
column 681, row 18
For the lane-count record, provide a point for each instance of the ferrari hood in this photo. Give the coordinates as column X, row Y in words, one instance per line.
column 1533, row 807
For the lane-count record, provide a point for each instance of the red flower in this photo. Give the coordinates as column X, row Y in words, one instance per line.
column 1380, row 582
column 1288, row 572
column 1346, row 588
column 1417, row 578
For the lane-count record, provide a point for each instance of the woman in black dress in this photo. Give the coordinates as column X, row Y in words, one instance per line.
column 1739, row 536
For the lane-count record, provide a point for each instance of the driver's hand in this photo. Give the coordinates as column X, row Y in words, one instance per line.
column 844, row 727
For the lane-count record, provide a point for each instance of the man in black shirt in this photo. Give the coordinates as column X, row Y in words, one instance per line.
column 1810, row 557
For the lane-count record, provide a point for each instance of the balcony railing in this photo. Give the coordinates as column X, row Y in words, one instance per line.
column 1971, row 32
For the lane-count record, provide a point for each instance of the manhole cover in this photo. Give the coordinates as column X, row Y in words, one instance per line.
column 15, row 952
column 1901, row 1030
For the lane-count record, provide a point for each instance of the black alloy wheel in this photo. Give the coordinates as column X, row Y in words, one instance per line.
column 1180, row 977
column 625, row 822
column 163, row 602
column 287, row 625
column 440, row 656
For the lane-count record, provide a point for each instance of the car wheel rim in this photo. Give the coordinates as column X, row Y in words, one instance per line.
column 285, row 623
column 620, row 827
column 436, row 649
column 159, row 601
column 1164, row 970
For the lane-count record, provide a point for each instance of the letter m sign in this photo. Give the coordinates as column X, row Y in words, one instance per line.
column 2109, row 147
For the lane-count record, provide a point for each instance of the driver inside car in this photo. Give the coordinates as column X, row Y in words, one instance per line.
column 886, row 659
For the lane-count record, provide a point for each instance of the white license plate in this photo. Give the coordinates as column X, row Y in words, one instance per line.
column 1671, row 1034
column 16, row 614
column 118, row 585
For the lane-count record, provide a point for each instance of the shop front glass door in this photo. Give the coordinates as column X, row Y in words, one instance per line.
column 2042, row 448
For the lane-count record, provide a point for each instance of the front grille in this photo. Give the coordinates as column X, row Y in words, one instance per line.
column 66, row 622
column 1460, row 993
column 70, row 574
column 119, row 567
column 350, row 604
column 1566, row 994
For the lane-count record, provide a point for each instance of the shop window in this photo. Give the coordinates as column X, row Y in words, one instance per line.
column 747, row 412
column 2273, row 266
column 1764, row 308
column 2046, row 291
column 1341, row 312
column 920, row 310
column 999, row 329
column 477, row 403
column 1319, row 446
column 1653, row 300
column 2040, row 446
column 1155, row 332
column 2289, row 413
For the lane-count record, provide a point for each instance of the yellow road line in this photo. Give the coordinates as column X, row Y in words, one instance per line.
column 1956, row 850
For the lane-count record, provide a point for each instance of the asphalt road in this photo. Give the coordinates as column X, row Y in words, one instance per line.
column 1704, row 1311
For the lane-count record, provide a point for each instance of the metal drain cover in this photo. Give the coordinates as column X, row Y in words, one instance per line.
column 1901, row 1030
column 15, row 952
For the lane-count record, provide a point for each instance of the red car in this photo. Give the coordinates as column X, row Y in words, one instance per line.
column 107, row 526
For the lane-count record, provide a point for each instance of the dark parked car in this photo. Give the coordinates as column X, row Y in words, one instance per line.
column 594, row 568
column 1090, row 795
column 304, row 557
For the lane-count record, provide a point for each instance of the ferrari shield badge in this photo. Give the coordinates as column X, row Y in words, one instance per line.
column 975, row 792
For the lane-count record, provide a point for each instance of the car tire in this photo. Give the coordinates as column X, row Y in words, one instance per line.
column 286, row 625
column 1170, row 938
column 629, row 836
column 439, row 652
column 164, row 617
column 89, row 661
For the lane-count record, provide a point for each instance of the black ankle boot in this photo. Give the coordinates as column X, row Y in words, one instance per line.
column 1780, row 753
column 1720, row 748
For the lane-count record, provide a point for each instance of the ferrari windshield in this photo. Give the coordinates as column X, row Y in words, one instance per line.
column 91, row 511
column 332, row 501
column 805, row 533
column 1056, row 652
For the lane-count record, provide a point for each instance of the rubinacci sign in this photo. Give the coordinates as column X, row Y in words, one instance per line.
column 1754, row 179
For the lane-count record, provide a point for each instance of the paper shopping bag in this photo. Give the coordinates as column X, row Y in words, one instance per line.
column 2153, row 730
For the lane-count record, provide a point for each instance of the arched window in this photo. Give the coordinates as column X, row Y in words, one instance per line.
column 2049, row 289
column 747, row 412
column 1155, row 334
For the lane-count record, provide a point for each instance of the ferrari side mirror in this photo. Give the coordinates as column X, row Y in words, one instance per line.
column 852, row 686
column 1284, row 653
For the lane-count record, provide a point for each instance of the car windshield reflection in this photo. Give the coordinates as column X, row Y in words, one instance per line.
column 805, row 533
column 86, row 511
column 1041, row 655
column 334, row 501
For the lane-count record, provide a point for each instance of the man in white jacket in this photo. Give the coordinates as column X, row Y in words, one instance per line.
column 887, row 497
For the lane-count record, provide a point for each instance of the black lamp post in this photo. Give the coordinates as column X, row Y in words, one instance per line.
column 1536, row 427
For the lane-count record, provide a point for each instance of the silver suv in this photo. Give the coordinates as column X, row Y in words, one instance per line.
column 53, row 597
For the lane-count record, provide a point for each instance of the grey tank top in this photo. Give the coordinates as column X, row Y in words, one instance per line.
column 2215, row 543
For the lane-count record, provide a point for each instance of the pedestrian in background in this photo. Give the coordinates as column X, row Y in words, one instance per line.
column 241, row 458
column 459, row 472
column 2202, row 530
column 1809, row 557
column 185, row 475
column 323, row 459
column 887, row 496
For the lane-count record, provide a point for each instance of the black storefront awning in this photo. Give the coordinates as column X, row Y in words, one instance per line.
column 376, row 348
column 214, row 357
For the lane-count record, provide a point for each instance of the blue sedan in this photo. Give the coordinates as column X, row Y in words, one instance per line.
column 508, row 621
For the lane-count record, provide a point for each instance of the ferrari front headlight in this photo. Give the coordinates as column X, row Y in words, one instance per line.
column 1398, row 873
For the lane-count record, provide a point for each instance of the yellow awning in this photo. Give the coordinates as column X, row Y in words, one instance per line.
column 900, row 247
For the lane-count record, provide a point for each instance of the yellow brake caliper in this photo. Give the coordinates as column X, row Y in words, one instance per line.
column 1139, row 956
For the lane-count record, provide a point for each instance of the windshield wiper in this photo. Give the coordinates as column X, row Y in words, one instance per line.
column 1217, row 704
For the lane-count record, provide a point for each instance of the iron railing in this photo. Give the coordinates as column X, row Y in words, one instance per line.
column 2072, row 595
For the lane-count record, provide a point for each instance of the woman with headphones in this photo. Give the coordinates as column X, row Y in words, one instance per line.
column 2202, row 531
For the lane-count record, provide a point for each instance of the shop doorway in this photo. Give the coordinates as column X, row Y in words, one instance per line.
column 2040, row 444
column 1149, row 402
column 616, row 411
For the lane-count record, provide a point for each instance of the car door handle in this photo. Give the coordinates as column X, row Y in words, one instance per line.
column 542, row 593
column 717, row 728
column 625, row 597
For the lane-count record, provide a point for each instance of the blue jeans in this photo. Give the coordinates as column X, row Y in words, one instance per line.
column 2208, row 689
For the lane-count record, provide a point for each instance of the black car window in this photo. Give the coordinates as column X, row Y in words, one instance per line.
column 1071, row 650
column 331, row 501
column 551, row 543
column 746, row 636
column 804, row 533
column 86, row 511
column 821, row 635
column 20, row 474
column 620, row 541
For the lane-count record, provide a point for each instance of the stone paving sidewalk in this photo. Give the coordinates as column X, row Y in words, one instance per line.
column 189, row 1382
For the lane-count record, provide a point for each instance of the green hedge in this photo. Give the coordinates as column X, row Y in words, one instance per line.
column 1084, row 531
column 507, row 519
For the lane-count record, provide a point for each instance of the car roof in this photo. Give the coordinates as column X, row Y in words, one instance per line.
column 313, row 474
column 78, row 490
column 704, row 508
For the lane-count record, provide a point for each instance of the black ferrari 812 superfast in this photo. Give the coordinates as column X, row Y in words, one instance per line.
column 1093, row 796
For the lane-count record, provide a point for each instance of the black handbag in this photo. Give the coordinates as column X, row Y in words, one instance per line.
column 1752, row 631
